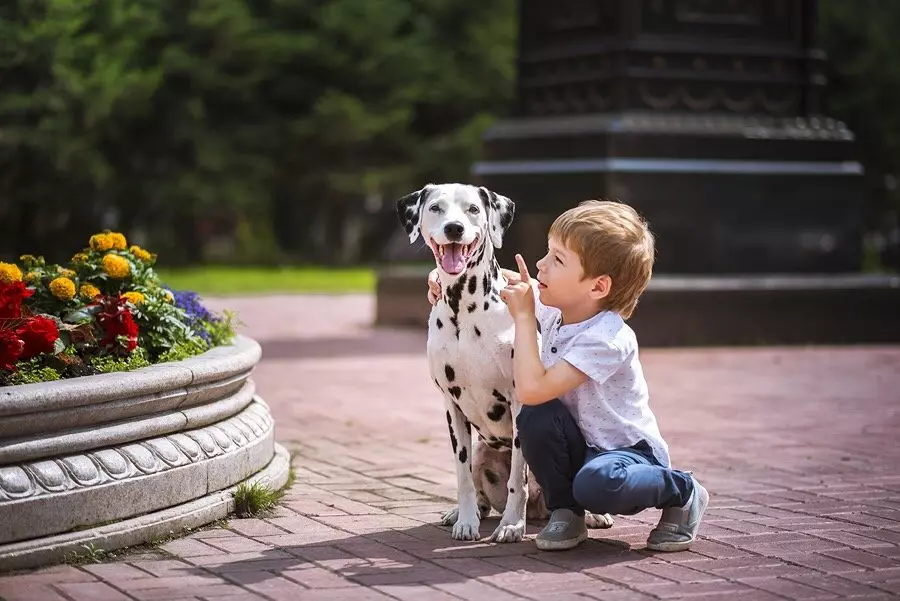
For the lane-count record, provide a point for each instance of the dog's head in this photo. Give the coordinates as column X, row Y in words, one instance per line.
column 455, row 220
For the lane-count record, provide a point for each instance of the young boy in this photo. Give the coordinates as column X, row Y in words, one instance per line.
column 586, row 427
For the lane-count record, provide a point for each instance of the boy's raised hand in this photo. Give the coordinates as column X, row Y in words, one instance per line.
column 519, row 296
column 434, row 286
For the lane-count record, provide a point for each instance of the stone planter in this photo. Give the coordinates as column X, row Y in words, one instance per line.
column 119, row 459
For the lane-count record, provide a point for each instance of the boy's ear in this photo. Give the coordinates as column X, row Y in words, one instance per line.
column 602, row 287
column 409, row 210
column 500, row 211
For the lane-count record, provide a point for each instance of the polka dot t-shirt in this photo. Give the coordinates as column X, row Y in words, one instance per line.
column 611, row 408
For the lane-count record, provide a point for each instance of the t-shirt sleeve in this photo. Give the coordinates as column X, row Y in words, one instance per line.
column 597, row 358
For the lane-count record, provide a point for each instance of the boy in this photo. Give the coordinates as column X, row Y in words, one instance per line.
column 586, row 428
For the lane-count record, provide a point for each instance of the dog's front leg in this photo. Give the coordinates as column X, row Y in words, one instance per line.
column 465, row 518
column 512, row 525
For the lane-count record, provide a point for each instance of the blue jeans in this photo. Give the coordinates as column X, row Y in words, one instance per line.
column 579, row 477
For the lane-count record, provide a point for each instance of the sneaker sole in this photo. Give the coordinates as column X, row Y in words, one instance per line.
column 686, row 544
column 560, row 545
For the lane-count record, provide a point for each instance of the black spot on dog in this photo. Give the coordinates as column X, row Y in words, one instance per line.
column 487, row 305
column 512, row 354
column 473, row 284
column 477, row 331
column 491, row 476
column 487, row 284
column 448, row 371
column 438, row 384
column 463, row 455
column 497, row 412
column 455, row 391
column 472, row 307
column 457, row 333
column 449, row 420
column 454, row 294
column 512, row 490
column 440, row 324
column 516, row 442
column 453, row 442
column 454, row 321
column 500, row 397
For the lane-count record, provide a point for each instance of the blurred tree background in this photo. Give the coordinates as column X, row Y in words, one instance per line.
column 281, row 131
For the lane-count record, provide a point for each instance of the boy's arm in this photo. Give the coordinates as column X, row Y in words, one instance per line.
column 536, row 384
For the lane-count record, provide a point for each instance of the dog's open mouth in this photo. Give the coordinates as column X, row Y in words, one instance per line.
column 453, row 256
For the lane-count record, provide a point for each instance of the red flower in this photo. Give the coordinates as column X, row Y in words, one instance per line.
column 11, row 297
column 116, row 320
column 38, row 334
column 10, row 349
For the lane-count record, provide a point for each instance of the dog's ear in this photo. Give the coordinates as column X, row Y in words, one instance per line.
column 500, row 211
column 409, row 209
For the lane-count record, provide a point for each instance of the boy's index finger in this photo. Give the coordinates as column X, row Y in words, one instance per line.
column 523, row 269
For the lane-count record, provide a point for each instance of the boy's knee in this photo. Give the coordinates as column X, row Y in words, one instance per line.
column 599, row 488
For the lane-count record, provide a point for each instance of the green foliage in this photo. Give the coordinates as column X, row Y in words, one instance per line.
column 256, row 499
column 275, row 114
column 110, row 363
column 30, row 372
column 862, row 45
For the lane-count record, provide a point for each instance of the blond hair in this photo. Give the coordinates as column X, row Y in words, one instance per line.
column 611, row 239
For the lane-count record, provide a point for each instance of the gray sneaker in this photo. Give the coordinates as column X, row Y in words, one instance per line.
column 678, row 526
column 565, row 530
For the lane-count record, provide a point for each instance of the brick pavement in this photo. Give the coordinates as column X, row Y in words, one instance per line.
column 798, row 448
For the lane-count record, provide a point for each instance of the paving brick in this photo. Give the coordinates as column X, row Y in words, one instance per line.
column 162, row 568
column 114, row 572
column 188, row 547
column 833, row 584
column 23, row 590
column 211, row 591
column 275, row 587
column 254, row 527
column 91, row 591
column 862, row 558
column 237, row 544
column 788, row 588
column 313, row 576
column 689, row 589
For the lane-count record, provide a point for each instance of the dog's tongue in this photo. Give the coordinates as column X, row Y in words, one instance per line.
column 453, row 260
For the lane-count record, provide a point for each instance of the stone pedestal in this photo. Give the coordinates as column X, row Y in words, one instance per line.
column 705, row 115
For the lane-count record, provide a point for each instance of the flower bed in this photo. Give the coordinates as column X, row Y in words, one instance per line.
column 107, row 310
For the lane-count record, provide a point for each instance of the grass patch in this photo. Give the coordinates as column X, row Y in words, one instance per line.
column 220, row 280
column 254, row 500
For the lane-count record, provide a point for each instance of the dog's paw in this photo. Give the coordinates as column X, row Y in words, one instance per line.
column 598, row 520
column 509, row 533
column 465, row 529
column 449, row 518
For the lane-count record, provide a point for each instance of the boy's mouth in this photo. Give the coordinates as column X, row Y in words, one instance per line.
column 453, row 256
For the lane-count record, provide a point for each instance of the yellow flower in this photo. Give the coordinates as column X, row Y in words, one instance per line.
column 140, row 253
column 118, row 240
column 170, row 298
column 79, row 258
column 31, row 276
column 63, row 288
column 66, row 273
column 115, row 266
column 27, row 258
column 101, row 242
column 135, row 298
column 89, row 291
column 9, row 273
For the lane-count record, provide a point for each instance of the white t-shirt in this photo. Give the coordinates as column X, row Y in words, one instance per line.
column 612, row 407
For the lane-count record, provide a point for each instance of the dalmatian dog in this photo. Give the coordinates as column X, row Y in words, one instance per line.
column 470, row 357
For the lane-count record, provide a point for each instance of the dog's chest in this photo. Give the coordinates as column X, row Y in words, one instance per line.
column 470, row 359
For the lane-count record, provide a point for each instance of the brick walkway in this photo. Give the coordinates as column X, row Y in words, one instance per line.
column 798, row 448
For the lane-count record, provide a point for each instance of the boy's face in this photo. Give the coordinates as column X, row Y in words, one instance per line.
column 561, row 280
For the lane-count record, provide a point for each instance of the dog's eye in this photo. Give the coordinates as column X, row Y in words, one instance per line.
column 435, row 208
column 473, row 209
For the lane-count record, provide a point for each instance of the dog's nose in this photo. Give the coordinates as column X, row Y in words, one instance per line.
column 454, row 230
